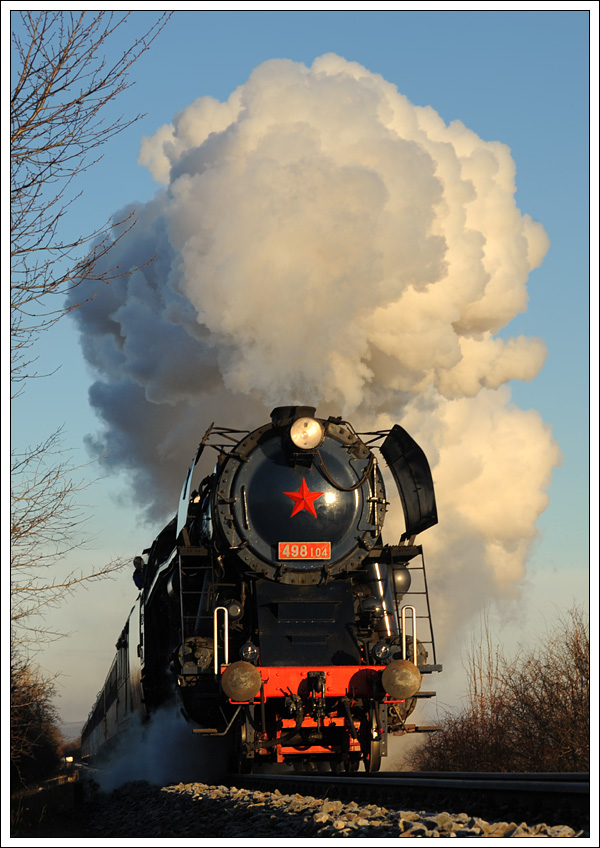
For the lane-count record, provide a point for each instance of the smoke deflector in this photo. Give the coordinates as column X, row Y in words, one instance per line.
column 412, row 475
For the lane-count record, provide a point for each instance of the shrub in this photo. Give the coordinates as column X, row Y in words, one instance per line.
column 530, row 713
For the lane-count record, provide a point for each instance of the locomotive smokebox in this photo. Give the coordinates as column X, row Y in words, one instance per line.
column 401, row 679
column 241, row 681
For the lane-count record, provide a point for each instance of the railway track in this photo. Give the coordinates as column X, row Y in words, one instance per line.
column 388, row 804
column 555, row 798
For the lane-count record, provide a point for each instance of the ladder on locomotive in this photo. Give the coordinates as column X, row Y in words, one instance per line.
column 194, row 560
column 197, row 576
column 412, row 558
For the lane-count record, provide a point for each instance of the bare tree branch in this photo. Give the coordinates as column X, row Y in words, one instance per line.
column 60, row 118
column 62, row 98
column 58, row 123
column 47, row 523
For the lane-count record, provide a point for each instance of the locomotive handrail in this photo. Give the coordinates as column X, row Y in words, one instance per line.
column 216, row 637
column 414, row 632
column 229, row 433
column 338, row 486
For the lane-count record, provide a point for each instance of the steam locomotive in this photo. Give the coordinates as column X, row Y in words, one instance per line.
column 270, row 610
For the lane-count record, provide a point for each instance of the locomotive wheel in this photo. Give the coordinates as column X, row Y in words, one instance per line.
column 240, row 763
column 371, row 747
column 373, row 758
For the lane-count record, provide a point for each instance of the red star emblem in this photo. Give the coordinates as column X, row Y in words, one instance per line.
column 304, row 499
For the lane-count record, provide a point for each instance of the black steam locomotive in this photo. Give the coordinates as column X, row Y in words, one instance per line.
column 270, row 610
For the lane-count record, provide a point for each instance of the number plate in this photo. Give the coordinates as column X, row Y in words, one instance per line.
column 304, row 550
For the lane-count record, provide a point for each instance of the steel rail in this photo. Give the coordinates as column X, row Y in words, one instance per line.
column 562, row 799
column 529, row 782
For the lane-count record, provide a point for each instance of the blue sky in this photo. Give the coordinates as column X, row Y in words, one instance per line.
column 519, row 77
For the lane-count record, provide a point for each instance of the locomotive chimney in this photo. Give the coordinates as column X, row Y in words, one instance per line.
column 283, row 413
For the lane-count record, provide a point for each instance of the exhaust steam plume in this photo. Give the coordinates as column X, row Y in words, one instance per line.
column 321, row 240
column 160, row 752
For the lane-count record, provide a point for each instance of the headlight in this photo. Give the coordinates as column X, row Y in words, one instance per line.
column 235, row 610
column 381, row 651
column 249, row 652
column 306, row 433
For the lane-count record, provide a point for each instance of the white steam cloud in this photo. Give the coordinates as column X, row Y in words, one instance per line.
column 321, row 240
column 162, row 751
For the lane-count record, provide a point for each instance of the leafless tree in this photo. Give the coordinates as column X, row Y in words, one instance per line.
column 34, row 737
column 63, row 86
column 47, row 523
column 62, row 113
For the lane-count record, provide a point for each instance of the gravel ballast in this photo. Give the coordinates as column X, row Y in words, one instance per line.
column 202, row 810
